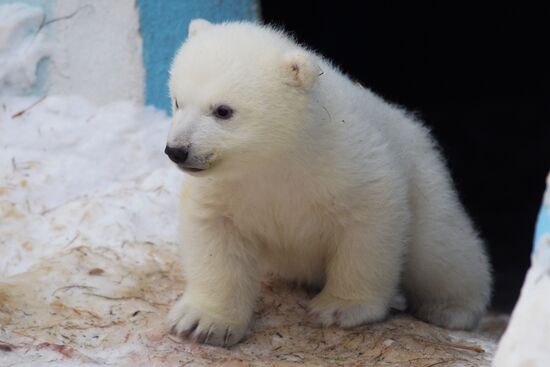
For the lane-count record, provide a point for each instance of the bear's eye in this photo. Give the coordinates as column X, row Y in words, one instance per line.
column 223, row 112
column 176, row 103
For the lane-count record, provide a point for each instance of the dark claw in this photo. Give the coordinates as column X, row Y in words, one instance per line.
column 226, row 337
column 208, row 335
column 202, row 337
column 190, row 330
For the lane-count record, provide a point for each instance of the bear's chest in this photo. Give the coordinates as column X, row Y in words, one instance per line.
column 288, row 220
column 292, row 235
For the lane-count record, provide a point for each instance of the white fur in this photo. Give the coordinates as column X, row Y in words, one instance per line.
column 316, row 179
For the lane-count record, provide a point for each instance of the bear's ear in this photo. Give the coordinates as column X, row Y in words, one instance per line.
column 198, row 25
column 299, row 70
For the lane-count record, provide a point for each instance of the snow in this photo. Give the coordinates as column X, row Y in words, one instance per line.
column 22, row 46
column 76, row 178
column 74, row 173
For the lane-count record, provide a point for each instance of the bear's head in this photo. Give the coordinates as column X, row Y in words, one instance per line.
column 241, row 97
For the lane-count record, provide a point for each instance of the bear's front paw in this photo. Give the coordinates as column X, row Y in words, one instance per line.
column 190, row 321
column 328, row 310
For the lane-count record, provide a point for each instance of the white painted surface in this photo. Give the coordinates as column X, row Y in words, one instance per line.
column 98, row 51
column 527, row 339
column 526, row 342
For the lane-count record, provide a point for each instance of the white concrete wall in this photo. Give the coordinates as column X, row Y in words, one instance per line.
column 97, row 50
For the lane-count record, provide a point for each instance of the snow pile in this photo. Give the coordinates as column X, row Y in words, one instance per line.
column 88, row 213
column 22, row 46
column 72, row 174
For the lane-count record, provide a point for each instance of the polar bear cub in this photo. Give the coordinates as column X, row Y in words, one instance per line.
column 295, row 169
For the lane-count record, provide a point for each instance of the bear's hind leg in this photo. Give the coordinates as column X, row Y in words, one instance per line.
column 362, row 277
column 447, row 274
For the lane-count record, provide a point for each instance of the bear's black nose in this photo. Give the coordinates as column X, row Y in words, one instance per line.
column 176, row 155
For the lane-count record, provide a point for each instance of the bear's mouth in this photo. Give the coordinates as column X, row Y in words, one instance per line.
column 191, row 169
column 197, row 164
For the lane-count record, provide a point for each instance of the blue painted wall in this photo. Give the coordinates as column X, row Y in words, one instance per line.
column 543, row 222
column 164, row 27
